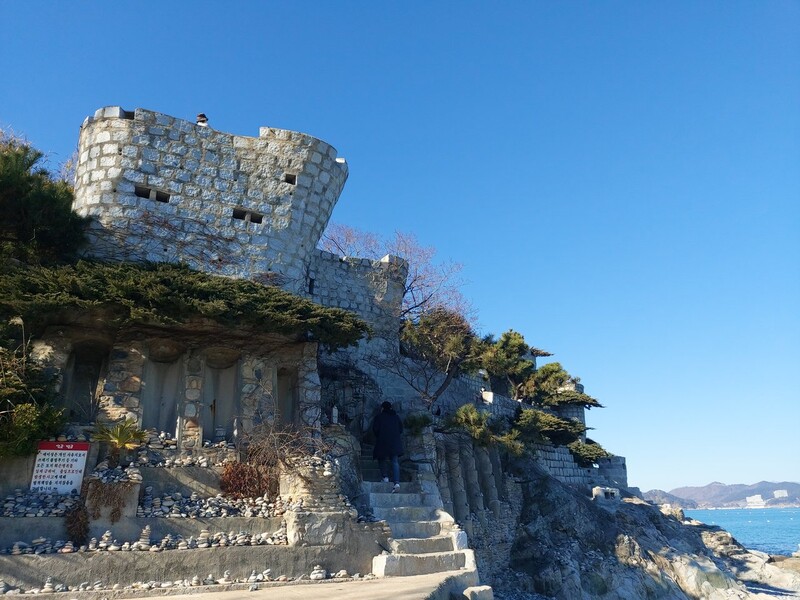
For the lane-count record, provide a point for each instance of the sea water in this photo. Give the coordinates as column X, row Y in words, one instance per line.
column 771, row 530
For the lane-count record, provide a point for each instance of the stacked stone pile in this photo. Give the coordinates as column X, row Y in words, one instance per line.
column 161, row 450
column 254, row 578
column 314, row 486
column 105, row 474
column 107, row 543
column 38, row 504
column 177, row 505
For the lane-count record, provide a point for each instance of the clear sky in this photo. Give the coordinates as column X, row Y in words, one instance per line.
column 621, row 180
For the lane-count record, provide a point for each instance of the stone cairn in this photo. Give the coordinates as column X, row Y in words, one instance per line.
column 107, row 543
column 38, row 504
column 177, row 505
column 312, row 485
column 317, row 574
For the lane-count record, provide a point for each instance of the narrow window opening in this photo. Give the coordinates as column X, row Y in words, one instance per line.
column 247, row 216
column 141, row 192
column 290, row 178
column 310, row 285
column 162, row 197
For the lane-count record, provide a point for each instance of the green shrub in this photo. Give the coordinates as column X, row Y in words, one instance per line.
column 27, row 392
column 587, row 454
column 474, row 422
column 537, row 426
column 486, row 431
column 120, row 437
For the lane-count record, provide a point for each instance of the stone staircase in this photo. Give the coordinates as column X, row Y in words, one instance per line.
column 425, row 539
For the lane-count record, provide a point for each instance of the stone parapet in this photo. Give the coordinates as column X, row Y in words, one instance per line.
column 167, row 190
column 373, row 289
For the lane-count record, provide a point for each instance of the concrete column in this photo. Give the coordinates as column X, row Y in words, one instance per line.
column 457, row 491
column 486, row 479
column 441, row 475
column 474, row 493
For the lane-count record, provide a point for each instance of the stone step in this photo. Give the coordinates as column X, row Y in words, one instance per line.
column 400, row 499
column 405, row 514
column 379, row 487
column 403, row 565
column 416, row 529
column 439, row 543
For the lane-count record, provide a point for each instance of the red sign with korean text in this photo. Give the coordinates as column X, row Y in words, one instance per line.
column 59, row 467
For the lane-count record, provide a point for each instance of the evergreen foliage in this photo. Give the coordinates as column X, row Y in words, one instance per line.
column 37, row 223
column 536, row 425
column 415, row 423
column 506, row 359
column 545, row 388
column 171, row 294
column 485, row 431
column 27, row 414
column 436, row 347
column 587, row 454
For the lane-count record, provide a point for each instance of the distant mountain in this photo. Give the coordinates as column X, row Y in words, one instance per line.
column 719, row 495
column 662, row 497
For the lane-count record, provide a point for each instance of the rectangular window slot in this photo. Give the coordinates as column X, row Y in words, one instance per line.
column 290, row 178
column 247, row 216
column 310, row 285
column 128, row 114
column 150, row 194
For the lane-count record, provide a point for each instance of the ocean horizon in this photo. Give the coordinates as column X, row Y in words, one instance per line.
column 770, row 530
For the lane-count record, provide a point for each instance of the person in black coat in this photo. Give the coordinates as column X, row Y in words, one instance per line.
column 388, row 430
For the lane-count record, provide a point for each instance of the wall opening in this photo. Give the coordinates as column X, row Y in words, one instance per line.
column 247, row 215
column 221, row 402
column 286, row 405
column 151, row 194
column 162, row 390
column 290, row 178
column 85, row 370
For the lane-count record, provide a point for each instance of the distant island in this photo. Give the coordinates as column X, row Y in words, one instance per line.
column 764, row 494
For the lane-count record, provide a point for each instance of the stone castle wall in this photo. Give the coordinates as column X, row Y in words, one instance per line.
column 371, row 289
column 163, row 189
column 166, row 190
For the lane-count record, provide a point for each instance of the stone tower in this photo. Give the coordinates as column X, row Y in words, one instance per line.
column 164, row 189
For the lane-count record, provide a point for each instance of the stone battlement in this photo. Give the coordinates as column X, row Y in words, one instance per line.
column 164, row 189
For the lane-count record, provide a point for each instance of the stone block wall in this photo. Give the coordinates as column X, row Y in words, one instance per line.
column 168, row 383
column 373, row 289
column 166, row 190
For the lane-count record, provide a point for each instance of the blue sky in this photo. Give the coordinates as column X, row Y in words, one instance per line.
column 620, row 180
